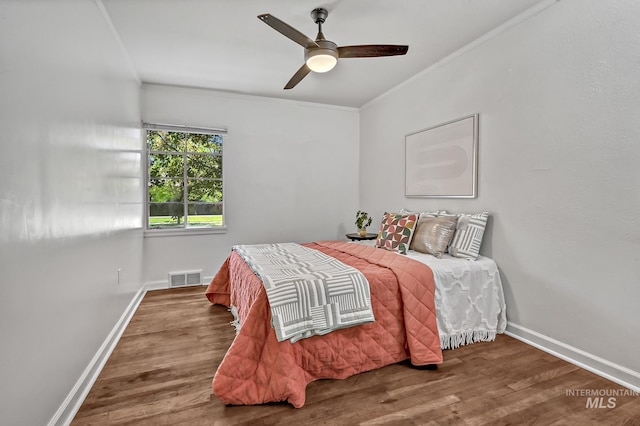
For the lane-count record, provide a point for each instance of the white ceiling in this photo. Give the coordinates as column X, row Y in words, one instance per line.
column 221, row 44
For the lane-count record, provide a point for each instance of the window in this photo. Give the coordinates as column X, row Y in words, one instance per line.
column 184, row 171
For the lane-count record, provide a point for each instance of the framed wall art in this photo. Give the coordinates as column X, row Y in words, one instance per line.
column 442, row 161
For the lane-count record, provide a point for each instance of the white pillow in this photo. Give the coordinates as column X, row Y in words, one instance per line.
column 434, row 213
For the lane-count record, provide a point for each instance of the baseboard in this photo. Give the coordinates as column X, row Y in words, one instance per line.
column 602, row 367
column 78, row 393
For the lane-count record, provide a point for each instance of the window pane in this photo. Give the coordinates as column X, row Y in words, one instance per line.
column 158, row 140
column 209, row 166
column 166, row 215
column 205, row 215
column 165, row 190
column 205, row 143
column 166, row 165
column 171, row 155
column 205, row 190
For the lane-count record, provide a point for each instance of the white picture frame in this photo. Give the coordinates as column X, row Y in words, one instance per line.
column 442, row 161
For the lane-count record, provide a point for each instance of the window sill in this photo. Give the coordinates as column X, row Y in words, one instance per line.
column 152, row 233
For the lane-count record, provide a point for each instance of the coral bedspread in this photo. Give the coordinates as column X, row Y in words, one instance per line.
column 258, row 369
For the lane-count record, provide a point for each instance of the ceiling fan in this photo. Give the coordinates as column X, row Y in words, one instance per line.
column 321, row 55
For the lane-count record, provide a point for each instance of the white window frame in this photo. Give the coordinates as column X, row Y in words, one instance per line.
column 159, row 232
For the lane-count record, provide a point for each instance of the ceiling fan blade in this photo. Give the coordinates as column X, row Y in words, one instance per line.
column 298, row 76
column 372, row 50
column 288, row 31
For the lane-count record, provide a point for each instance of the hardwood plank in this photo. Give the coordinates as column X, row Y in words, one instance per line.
column 160, row 373
column 542, row 377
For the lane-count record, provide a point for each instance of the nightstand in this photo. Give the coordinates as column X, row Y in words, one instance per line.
column 357, row 237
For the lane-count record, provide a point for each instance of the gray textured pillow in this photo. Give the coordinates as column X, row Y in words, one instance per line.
column 433, row 234
column 468, row 237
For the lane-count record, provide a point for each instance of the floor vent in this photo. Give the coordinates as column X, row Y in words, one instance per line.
column 181, row 279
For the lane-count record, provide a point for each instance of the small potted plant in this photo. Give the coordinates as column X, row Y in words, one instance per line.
column 362, row 221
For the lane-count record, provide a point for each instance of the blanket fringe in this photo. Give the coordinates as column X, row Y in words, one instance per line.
column 465, row 338
column 236, row 320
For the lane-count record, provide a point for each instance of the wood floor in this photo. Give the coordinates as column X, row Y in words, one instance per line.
column 160, row 374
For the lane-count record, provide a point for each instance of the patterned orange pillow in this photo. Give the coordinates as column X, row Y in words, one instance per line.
column 396, row 231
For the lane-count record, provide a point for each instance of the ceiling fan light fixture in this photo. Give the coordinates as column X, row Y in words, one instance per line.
column 321, row 60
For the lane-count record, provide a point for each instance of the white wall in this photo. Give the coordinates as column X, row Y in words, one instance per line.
column 559, row 103
column 70, row 191
column 290, row 173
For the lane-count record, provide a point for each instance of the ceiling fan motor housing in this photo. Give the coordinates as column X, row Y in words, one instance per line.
column 322, row 58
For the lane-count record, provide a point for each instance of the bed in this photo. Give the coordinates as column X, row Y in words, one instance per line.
column 422, row 305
